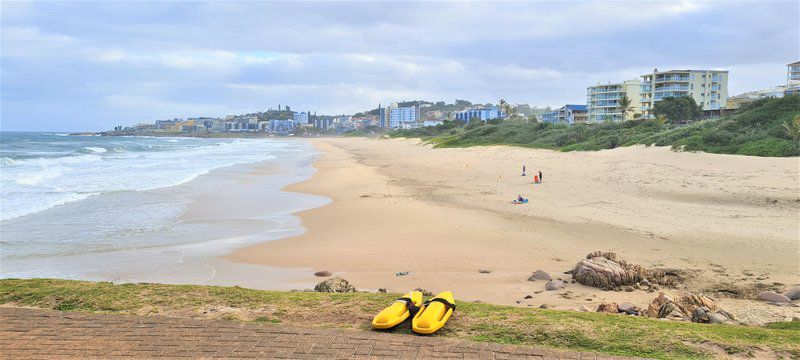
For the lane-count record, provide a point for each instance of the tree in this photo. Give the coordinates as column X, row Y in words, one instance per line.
column 661, row 119
column 678, row 109
column 625, row 107
column 793, row 129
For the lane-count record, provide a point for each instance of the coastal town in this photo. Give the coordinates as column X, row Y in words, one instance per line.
column 605, row 102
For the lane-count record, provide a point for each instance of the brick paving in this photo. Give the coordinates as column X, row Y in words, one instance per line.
column 46, row 334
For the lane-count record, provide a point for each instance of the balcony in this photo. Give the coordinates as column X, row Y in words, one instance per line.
column 672, row 79
column 716, row 78
column 673, row 88
column 660, row 96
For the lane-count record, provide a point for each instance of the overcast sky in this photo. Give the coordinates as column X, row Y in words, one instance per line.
column 92, row 65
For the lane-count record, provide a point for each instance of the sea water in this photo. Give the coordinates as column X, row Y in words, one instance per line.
column 109, row 208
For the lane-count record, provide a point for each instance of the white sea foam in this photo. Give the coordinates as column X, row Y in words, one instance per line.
column 38, row 175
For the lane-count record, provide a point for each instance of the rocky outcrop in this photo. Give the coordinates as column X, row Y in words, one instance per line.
column 704, row 315
column 605, row 271
column 553, row 285
column 695, row 307
column 664, row 307
column 335, row 285
column 540, row 275
column 793, row 293
column 692, row 301
column 608, row 308
column 774, row 297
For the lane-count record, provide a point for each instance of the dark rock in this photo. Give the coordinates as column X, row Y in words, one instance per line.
column 335, row 285
column 382, row 291
column 774, row 297
column 528, row 297
column 553, row 285
column 323, row 273
column 425, row 293
column 481, row 271
column 628, row 308
column 793, row 293
column 540, row 275
column 544, row 306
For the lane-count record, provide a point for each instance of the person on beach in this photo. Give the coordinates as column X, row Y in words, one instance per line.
column 520, row 198
column 540, row 175
column 523, row 169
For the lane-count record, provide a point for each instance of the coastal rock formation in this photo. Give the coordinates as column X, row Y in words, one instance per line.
column 704, row 315
column 605, row 271
column 335, row 285
column 553, row 285
column 324, row 273
column 793, row 293
column 628, row 308
column 774, row 297
column 663, row 307
column 609, row 308
column 692, row 301
column 540, row 275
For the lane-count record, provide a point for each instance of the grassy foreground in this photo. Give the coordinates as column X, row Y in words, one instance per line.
column 582, row 331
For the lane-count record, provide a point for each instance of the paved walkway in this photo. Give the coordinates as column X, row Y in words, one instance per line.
column 40, row 334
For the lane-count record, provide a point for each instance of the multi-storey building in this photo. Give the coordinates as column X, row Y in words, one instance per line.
column 708, row 88
column 793, row 79
column 480, row 113
column 602, row 101
column 393, row 116
column 567, row 114
column 301, row 118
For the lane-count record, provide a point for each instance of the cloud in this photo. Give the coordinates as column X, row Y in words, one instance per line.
column 78, row 66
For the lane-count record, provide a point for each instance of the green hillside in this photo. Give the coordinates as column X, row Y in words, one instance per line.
column 757, row 130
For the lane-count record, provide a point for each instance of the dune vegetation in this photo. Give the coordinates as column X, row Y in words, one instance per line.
column 768, row 127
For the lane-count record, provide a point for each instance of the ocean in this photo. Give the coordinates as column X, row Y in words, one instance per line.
column 126, row 208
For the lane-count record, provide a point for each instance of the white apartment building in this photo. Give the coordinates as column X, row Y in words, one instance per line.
column 602, row 101
column 708, row 88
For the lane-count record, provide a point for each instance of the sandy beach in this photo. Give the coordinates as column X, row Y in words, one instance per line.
column 444, row 214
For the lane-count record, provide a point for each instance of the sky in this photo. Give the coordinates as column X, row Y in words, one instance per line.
column 89, row 66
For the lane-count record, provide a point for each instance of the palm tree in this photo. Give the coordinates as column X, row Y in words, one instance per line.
column 624, row 106
column 793, row 129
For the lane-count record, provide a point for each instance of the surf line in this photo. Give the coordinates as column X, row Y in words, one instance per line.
column 213, row 270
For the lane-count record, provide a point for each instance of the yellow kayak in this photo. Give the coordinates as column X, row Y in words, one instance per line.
column 399, row 311
column 434, row 314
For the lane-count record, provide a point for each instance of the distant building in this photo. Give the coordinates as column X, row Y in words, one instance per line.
column 300, row 117
column 323, row 122
column 708, row 88
column 427, row 123
column 602, row 101
column 793, row 79
column 394, row 116
column 736, row 102
column 479, row 113
column 281, row 126
column 548, row 117
column 567, row 114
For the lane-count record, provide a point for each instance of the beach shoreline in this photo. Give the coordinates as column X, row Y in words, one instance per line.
column 444, row 214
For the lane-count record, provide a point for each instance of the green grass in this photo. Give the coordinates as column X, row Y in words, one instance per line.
column 756, row 130
column 581, row 331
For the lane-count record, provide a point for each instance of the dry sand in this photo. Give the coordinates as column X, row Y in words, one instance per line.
column 443, row 214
